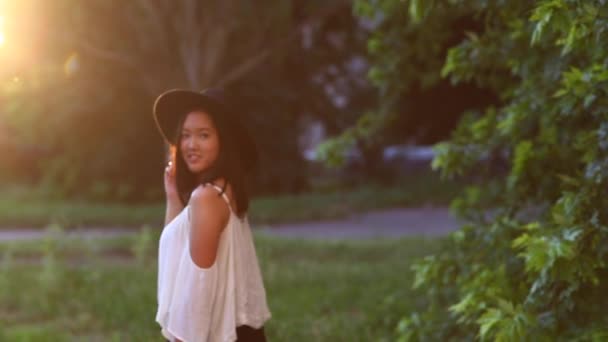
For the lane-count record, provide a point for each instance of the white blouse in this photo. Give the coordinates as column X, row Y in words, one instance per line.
column 207, row 304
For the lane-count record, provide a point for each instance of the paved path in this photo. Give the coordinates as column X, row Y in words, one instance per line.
column 16, row 234
column 383, row 224
column 426, row 221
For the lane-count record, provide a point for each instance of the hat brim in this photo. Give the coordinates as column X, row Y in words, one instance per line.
column 171, row 105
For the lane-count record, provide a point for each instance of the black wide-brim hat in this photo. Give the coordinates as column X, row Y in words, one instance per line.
column 171, row 105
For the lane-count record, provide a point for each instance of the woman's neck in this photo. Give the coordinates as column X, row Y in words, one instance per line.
column 219, row 181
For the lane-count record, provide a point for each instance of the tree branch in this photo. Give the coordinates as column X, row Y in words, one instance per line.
column 252, row 62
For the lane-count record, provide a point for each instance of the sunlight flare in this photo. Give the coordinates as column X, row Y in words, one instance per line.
column 2, row 36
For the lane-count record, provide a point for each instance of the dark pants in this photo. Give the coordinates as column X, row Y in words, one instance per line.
column 245, row 333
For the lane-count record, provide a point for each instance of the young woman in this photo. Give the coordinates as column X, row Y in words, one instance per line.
column 210, row 286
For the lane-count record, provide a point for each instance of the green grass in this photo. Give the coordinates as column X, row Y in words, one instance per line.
column 65, row 290
column 26, row 211
column 37, row 213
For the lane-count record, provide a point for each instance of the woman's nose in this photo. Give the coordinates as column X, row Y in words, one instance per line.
column 190, row 143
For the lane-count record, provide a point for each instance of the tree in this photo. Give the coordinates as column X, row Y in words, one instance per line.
column 535, row 267
column 186, row 43
column 417, row 106
column 81, row 108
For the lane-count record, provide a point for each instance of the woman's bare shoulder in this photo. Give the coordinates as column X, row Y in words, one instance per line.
column 207, row 199
column 209, row 216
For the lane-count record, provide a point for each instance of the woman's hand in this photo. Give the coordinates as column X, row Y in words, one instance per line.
column 171, row 184
column 174, row 204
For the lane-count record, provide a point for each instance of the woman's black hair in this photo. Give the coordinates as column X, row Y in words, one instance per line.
column 227, row 165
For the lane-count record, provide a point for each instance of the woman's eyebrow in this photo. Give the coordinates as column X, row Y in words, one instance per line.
column 196, row 129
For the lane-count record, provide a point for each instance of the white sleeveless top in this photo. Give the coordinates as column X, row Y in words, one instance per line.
column 207, row 304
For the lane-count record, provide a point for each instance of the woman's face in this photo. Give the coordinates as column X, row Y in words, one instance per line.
column 199, row 142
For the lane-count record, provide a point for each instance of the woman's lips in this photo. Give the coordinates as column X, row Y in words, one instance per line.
column 193, row 158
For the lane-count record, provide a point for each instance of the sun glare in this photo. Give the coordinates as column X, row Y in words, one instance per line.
column 2, row 38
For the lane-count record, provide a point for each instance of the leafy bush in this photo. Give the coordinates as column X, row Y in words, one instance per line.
column 536, row 268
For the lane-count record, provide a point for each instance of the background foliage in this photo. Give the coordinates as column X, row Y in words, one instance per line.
column 78, row 81
column 532, row 262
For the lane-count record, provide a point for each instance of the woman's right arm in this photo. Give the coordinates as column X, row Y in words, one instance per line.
column 174, row 204
column 172, row 210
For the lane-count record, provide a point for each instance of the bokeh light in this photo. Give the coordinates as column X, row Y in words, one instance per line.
column 71, row 64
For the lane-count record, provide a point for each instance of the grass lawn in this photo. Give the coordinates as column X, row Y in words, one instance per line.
column 17, row 208
column 91, row 290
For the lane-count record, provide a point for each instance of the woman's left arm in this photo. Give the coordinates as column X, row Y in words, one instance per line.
column 209, row 216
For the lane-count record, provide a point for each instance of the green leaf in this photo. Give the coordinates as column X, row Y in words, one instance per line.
column 464, row 304
column 523, row 153
column 589, row 99
column 521, row 241
column 572, row 234
column 568, row 45
column 419, row 9
column 567, row 180
column 488, row 321
column 545, row 17
column 560, row 92
column 505, row 306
